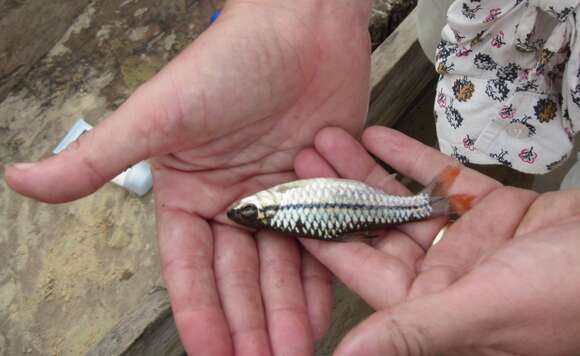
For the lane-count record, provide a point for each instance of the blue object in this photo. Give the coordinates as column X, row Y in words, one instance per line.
column 215, row 16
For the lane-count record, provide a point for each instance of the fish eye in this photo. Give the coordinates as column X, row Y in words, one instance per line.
column 248, row 211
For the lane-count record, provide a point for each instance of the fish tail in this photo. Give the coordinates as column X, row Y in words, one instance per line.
column 461, row 203
column 457, row 204
column 441, row 201
column 441, row 185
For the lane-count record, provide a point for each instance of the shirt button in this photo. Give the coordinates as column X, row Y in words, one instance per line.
column 518, row 130
column 524, row 48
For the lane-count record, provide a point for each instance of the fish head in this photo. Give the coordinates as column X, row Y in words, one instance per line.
column 250, row 212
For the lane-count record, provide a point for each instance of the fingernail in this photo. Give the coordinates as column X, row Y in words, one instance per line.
column 22, row 165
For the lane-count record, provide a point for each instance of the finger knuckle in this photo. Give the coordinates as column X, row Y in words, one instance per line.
column 95, row 176
column 508, row 193
column 575, row 201
column 567, row 201
column 405, row 339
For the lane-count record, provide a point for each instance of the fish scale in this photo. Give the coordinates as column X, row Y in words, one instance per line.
column 330, row 208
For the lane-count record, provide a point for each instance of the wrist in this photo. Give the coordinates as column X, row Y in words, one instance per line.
column 348, row 10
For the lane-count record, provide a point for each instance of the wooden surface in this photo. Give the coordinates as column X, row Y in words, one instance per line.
column 39, row 25
column 400, row 72
column 70, row 272
column 147, row 330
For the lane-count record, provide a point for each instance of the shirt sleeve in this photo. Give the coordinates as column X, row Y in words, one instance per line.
column 571, row 84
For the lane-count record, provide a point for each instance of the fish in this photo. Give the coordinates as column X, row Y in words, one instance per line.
column 335, row 209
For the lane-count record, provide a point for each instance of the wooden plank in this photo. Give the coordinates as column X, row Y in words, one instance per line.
column 149, row 329
column 400, row 72
column 29, row 29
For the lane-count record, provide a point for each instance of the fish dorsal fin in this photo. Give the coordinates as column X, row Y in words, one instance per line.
column 386, row 185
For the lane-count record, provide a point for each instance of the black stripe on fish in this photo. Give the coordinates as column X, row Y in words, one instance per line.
column 340, row 206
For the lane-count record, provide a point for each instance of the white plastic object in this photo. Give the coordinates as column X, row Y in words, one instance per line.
column 136, row 179
column 572, row 178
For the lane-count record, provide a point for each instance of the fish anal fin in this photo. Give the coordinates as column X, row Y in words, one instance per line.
column 362, row 236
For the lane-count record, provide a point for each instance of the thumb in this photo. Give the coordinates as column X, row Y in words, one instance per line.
column 139, row 129
column 424, row 326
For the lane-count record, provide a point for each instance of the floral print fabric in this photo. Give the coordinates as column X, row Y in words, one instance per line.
column 509, row 88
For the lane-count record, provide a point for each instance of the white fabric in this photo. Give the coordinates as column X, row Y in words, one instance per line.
column 432, row 16
column 509, row 91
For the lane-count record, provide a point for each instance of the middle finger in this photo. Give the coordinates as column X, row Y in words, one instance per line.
column 237, row 278
column 286, row 312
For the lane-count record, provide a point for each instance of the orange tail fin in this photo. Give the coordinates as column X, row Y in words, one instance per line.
column 461, row 203
column 441, row 185
column 441, row 201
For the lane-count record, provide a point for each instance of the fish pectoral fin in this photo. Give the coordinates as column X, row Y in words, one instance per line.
column 363, row 236
column 386, row 182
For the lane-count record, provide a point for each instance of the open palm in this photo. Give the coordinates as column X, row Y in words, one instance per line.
column 498, row 283
column 226, row 118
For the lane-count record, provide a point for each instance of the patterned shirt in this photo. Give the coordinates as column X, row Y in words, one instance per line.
column 509, row 88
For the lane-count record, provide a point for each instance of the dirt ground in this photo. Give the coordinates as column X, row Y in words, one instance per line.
column 69, row 272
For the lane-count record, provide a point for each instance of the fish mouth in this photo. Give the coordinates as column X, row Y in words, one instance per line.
column 245, row 214
column 234, row 215
column 233, row 212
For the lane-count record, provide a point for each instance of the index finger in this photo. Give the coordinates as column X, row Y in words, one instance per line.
column 423, row 163
column 187, row 256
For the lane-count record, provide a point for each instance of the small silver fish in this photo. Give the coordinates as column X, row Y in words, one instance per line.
column 343, row 210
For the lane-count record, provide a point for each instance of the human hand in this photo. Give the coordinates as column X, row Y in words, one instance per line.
column 502, row 280
column 224, row 119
